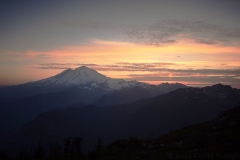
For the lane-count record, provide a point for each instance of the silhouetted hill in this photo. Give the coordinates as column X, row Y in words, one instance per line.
column 18, row 112
column 145, row 118
column 21, row 103
column 15, row 114
column 128, row 95
column 217, row 139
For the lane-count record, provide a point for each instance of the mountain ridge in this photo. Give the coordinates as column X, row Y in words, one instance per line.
column 84, row 75
column 150, row 117
column 82, row 78
column 20, row 104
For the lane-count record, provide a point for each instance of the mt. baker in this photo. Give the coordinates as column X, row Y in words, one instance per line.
column 19, row 104
column 80, row 81
column 87, row 76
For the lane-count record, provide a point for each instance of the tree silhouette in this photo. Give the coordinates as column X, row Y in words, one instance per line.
column 39, row 152
column 55, row 151
column 67, row 147
column 72, row 148
column 99, row 146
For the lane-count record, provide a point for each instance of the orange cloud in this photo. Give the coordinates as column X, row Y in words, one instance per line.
column 100, row 51
column 186, row 54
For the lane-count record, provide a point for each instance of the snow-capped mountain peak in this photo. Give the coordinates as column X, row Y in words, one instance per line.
column 76, row 76
column 84, row 75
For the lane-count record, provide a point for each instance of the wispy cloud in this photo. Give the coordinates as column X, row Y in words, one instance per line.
column 19, row 56
column 121, row 66
column 63, row 65
column 172, row 31
column 199, row 76
column 162, row 33
column 160, row 72
column 148, row 67
column 226, row 79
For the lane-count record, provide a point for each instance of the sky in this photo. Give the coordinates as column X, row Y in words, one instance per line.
column 194, row 42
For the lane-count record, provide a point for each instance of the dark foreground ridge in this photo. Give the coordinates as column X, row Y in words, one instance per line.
column 217, row 139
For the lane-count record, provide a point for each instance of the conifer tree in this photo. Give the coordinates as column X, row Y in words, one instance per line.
column 39, row 152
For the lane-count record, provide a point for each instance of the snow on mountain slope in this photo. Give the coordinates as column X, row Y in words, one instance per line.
column 86, row 76
column 78, row 76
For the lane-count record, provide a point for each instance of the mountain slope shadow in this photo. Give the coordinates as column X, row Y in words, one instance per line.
column 145, row 118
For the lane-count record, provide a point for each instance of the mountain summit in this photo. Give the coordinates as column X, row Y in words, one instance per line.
column 86, row 76
column 82, row 80
column 80, row 75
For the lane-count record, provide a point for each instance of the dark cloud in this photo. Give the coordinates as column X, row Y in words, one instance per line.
column 205, row 71
column 211, row 79
column 166, row 32
column 206, row 41
column 63, row 65
column 121, row 66
column 161, row 72
column 150, row 67
column 189, row 78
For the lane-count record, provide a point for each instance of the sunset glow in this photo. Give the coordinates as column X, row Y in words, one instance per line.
column 193, row 52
